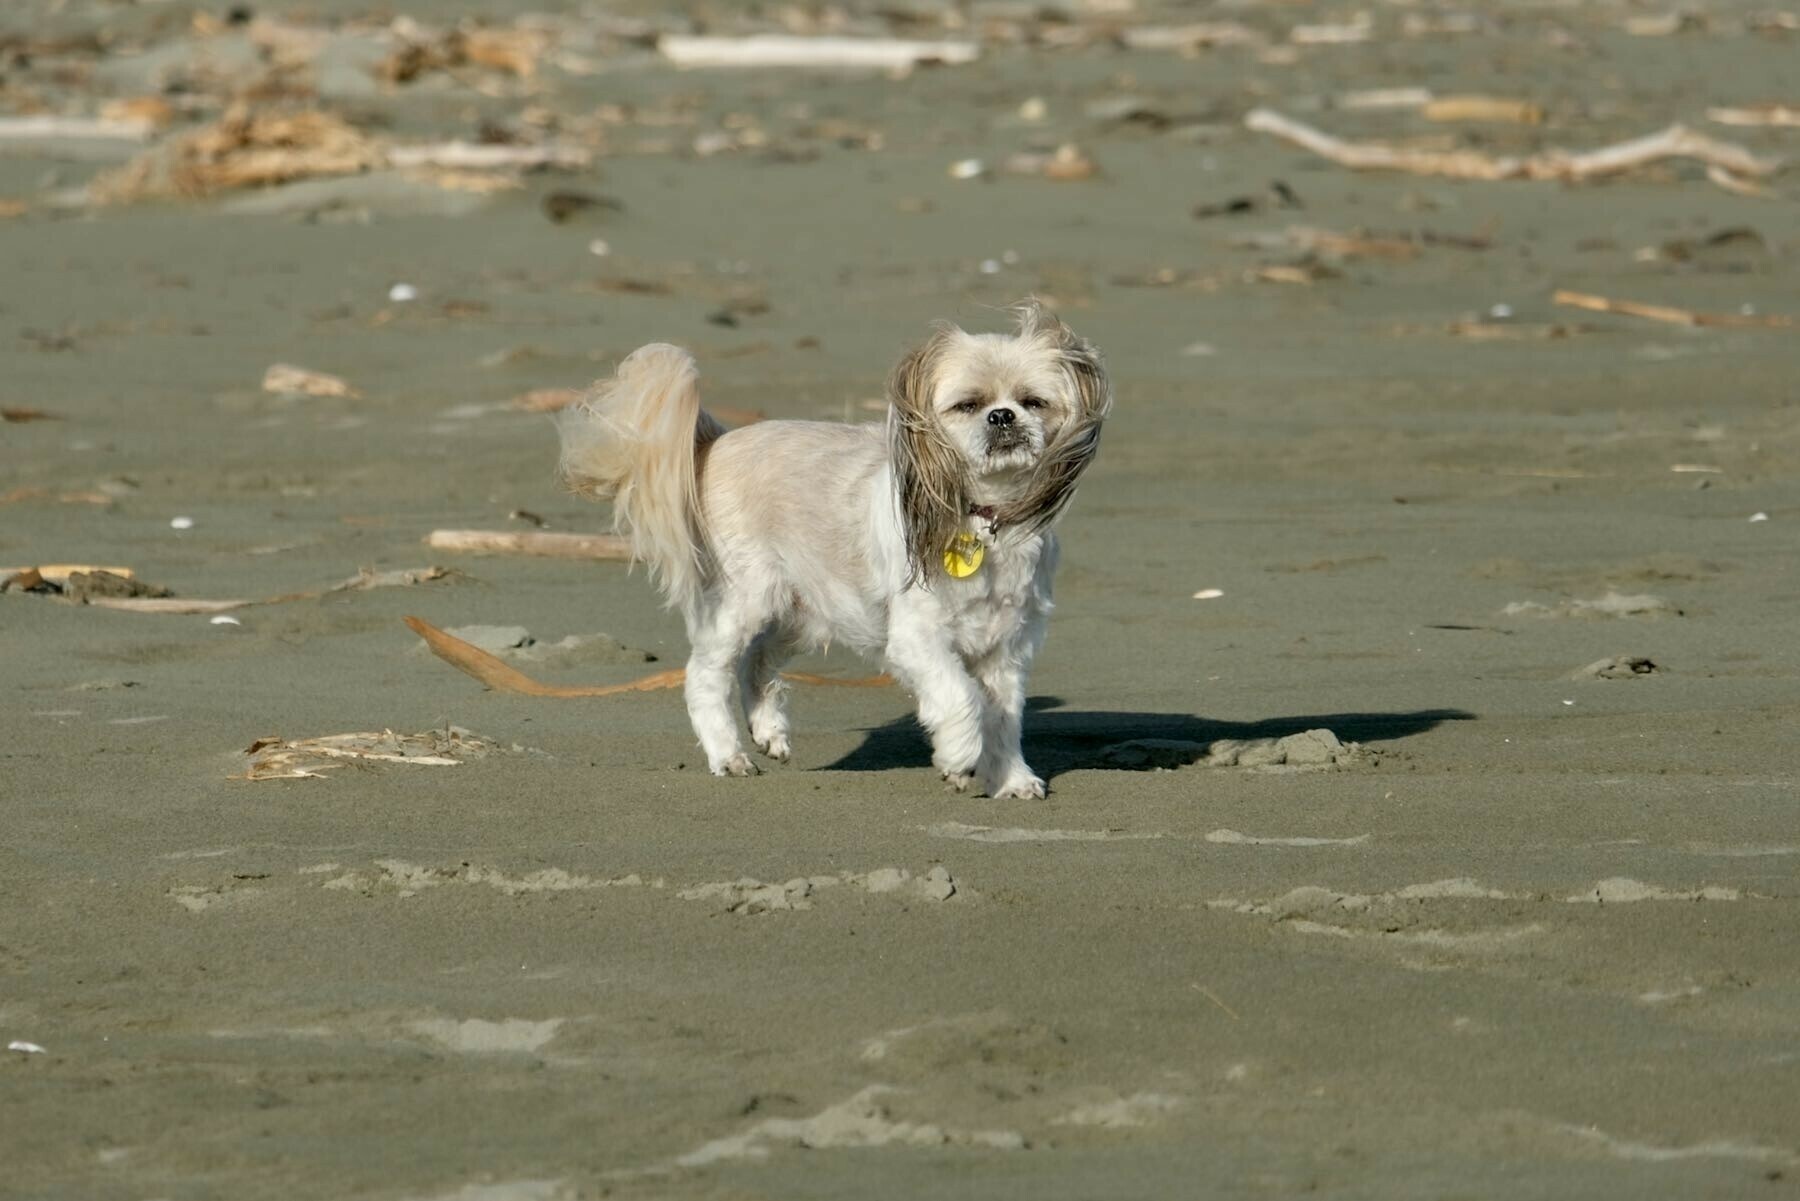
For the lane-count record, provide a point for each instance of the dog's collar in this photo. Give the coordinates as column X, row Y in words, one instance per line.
column 963, row 557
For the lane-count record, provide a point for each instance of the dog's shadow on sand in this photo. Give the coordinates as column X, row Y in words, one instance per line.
column 1059, row 740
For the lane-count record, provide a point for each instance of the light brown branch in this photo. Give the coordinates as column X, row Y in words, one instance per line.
column 1672, row 315
column 1677, row 141
column 555, row 546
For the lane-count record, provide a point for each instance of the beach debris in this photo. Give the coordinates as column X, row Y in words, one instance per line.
column 86, row 496
column 19, row 416
column 1494, row 109
column 562, row 207
column 24, row 1048
column 1384, row 98
column 1309, row 750
column 1360, row 29
column 748, row 896
column 1616, row 667
column 502, row 677
column 1235, row 838
column 517, row 643
column 44, row 127
column 407, row 879
column 1613, row 604
column 1209, row 594
column 1191, row 38
column 1623, row 890
column 256, row 148
column 485, row 156
column 289, row 380
column 119, row 587
column 1768, row 113
column 225, row 620
column 1677, row 141
column 1758, row 516
column 181, row 523
column 86, row 587
column 608, row 547
column 1305, row 273
column 1737, row 184
column 968, row 168
column 404, row 577
column 402, row 293
column 277, row 758
column 1308, row 240
column 1505, row 331
column 78, row 581
column 783, row 50
column 245, row 148
column 1671, row 314
column 511, row 51
column 1067, row 163
column 1277, row 195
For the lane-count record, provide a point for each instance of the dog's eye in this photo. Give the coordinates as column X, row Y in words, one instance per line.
column 967, row 406
column 1032, row 402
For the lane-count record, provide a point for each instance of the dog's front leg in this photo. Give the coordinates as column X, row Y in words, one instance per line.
column 951, row 704
column 1003, row 770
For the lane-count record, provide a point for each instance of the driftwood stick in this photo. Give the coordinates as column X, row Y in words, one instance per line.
column 503, row 677
column 1677, row 141
column 1671, row 314
column 555, row 546
column 482, row 157
column 782, row 50
column 44, row 127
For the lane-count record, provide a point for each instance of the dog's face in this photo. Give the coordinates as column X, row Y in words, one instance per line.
column 1000, row 401
column 1007, row 420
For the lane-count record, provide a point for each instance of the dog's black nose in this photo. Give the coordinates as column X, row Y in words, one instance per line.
column 1002, row 417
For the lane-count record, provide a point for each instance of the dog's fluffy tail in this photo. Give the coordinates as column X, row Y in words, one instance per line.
column 634, row 438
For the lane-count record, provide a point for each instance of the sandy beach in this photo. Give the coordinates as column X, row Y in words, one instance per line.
column 1419, row 709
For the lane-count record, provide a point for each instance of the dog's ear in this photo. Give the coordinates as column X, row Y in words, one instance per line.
column 930, row 478
column 1074, row 445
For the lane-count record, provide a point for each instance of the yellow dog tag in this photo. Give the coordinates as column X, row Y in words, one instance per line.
column 962, row 558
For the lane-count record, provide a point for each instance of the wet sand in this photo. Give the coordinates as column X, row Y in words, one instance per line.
column 1530, row 936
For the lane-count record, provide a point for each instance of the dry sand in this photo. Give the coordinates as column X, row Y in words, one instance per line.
column 1534, row 936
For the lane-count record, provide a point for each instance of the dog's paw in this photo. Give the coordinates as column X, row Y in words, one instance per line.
column 739, row 764
column 1020, row 787
column 958, row 781
column 776, row 747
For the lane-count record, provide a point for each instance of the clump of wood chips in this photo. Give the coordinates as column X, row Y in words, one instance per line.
column 245, row 148
column 277, row 758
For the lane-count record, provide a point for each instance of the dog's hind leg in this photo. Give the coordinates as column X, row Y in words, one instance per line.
column 765, row 693
column 720, row 640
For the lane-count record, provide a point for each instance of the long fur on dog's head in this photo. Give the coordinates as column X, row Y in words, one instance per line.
column 1055, row 388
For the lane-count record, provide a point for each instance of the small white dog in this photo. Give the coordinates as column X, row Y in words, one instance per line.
column 926, row 539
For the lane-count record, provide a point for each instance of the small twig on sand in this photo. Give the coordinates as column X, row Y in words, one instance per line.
column 44, row 127
column 1672, row 315
column 1676, row 141
column 502, row 677
column 781, row 50
column 1756, row 114
column 473, row 156
column 555, row 546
